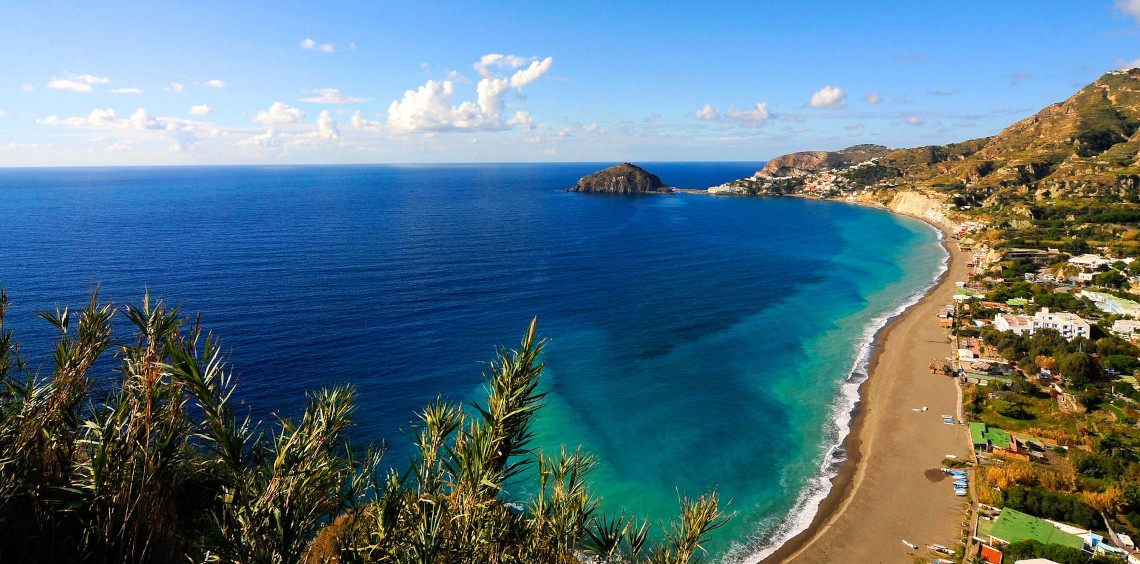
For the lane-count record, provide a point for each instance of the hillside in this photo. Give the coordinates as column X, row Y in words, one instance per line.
column 813, row 161
column 1067, row 177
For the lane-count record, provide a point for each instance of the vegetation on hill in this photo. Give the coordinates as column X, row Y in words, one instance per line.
column 155, row 460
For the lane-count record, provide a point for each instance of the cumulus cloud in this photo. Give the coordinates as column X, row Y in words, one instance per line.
column 177, row 87
column 363, row 124
column 1123, row 64
column 522, row 118
column 326, row 127
column 873, row 98
column 201, row 110
column 758, row 115
column 531, row 73
column 76, row 82
column 708, row 113
column 214, row 83
column 126, row 91
column 264, row 140
column 829, row 97
column 1129, row 8
column 278, row 114
column 326, row 133
column 28, row 87
column 331, row 96
column 483, row 67
column 431, row 107
column 3, row 113
column 314, row 46
column 915, row 121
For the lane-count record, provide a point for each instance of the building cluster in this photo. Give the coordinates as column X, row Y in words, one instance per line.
column 1069, row 325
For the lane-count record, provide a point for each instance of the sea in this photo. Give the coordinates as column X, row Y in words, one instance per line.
column 694, row 342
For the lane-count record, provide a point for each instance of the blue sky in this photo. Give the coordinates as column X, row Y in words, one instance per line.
column 120, row 83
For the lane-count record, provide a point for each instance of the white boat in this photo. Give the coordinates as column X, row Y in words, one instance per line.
column 960, row 493
column 952, row 456
column 914, row 546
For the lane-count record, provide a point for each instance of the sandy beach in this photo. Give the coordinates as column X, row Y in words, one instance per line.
column 883, row 494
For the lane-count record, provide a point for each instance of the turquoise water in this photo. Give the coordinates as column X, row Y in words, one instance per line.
column 695, row 341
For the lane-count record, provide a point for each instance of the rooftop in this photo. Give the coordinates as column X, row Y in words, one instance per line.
column 1012, row 526
column 982, row 435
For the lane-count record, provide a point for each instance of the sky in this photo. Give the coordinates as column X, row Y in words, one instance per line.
column 255, row 82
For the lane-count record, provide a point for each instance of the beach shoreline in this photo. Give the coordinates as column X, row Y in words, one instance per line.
column 842, row 526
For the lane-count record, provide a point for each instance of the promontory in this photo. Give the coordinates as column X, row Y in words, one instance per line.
column 624, row 178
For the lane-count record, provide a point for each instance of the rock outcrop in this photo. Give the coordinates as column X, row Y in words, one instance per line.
column 624, row 178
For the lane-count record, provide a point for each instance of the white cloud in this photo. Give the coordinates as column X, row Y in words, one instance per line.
column 483, row 67
column 363, row 124
column 332, row 96
column 1125, row 65
column 118, row 148
column 758, row 115
column 214, row 83
column 28, row 87
column 177, row 87
column 854, row 126
column 126, row 91
column 178, row 133
column 915, row 121
column 278, row 114
column 201, row 110
column 314, row 46
column 873, row 98
column 265, row 140
column 3, row 113
column 76, row 82
column 1129, row 7
column 431, row 106
column 522, row 118
column 531, row 73
column 708, row 113
column 327, row 131
column 829, row 97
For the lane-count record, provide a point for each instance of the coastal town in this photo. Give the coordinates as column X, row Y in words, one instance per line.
column 1042, row 347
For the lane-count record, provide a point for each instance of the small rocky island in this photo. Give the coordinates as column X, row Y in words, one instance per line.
column 624, row 178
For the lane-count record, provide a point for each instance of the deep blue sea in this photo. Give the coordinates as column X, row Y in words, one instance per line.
column 695, row 341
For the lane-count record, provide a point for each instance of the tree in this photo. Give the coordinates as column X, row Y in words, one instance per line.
column 1008, row 408
column 1076, row 367
column 1111, row 279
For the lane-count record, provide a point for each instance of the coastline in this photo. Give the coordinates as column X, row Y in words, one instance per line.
column 844, row 526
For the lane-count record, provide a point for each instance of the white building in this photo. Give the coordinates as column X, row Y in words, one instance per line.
column 1070, row 325
column 1090, row 262
column 1020, row 324
column 1126, row 328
